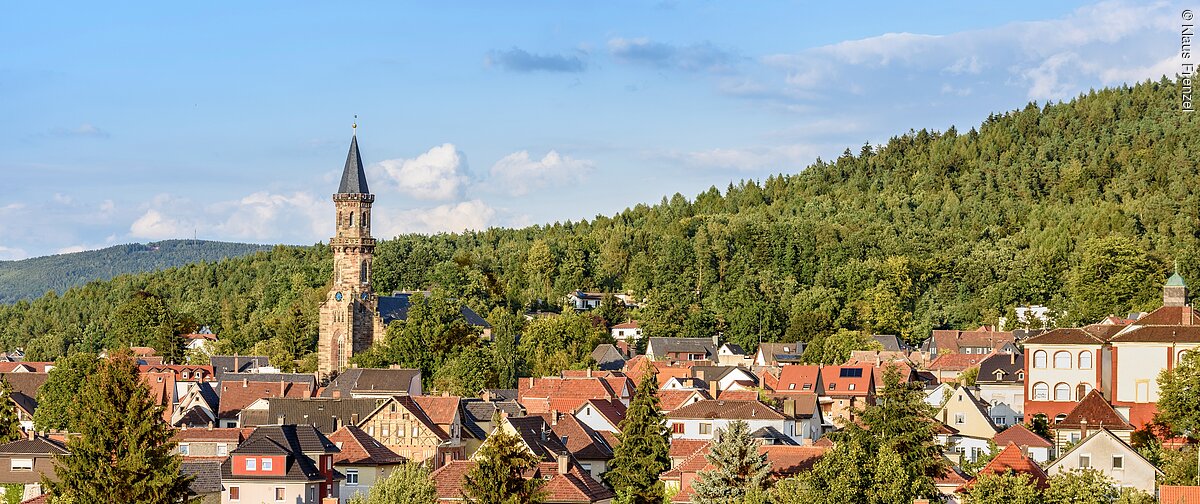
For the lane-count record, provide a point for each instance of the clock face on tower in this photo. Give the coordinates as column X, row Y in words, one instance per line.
column 364, row 296
column 338, row 296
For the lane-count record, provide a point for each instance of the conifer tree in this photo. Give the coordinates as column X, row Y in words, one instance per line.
column 643, row 452
column 124, row 451
column 10, row 426
column 740, row 467
column 497, row 477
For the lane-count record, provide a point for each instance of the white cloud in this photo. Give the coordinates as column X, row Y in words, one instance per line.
column 12, row 254
column 156, row 226
column 70, row 250
column 260, row 217
column 454, row 217
column 518, row 174
column 438, row 174
column 783, row 158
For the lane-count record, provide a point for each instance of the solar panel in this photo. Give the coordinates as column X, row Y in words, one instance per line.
column 851, row 373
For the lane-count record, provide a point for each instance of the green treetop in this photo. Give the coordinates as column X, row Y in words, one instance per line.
column 740, row 468
column 643, row 452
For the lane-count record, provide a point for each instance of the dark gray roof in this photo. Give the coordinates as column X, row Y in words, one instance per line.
column 25, row 388
column 299, row 378
column 608, row 358
column 36, row 446
column 664, row 346
column 319, row 412
column 1009, row 363
column 891, row 343
column 207, row 474
column 369, row 380
column 236, row 364
column 354, row 179
column 392, row 308
column 293, row 439
column 735, row 348
column 538, row 435
column 772, row 436
column 481, row 411
column 501, row 393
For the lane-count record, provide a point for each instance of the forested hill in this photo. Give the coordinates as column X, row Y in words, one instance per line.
column 32, row 278
column 1082, row 206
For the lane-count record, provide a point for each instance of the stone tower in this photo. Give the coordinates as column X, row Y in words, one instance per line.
column 1175, row 291
column 348, row 314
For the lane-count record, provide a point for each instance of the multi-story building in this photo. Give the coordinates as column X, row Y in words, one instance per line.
column 1001, row 384
column 281, row 463
column 1063, row 365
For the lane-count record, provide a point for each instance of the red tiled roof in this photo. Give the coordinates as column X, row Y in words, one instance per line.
column 953, row 340
column 236, row 395
column 612, row 410
column 573, row 487
column 1170, row 315
column 836, row 385
column 628, row 325
column 33, row 367
column 207, row 434
column 582, row 441
column 359, row 448
column 956, row 362
column 737, row 395
column 41, row 499
column 1170, row 494
column 1070, row 336
column 683, row 448
column 1021, row 436
column 1097, row 412
column 540, row 395
column 142, row 351
column 726, row 410
column 785, row 461
column 1159, row 334
column 439, row 409
column 1011, row 459
column 669, row 400
column 196, row 336
column 794, row 378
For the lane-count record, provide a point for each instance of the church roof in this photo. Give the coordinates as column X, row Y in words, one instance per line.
column 354, row 179
column 1175, row 281
column 395, row 307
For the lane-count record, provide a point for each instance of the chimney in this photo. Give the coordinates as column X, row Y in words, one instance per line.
column 713, row 388
column 564, row 463
column 1012, row 358
column 716, row 340
column 245, row 382
column 589, row 372
column 354, row 419
column 280, row 420
column 789, row 408
column 554, row 417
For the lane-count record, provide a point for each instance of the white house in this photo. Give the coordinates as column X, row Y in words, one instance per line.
column 1062, row 366
column 1001, row 385
column 1106, row 452
column 581, row 300
column 629, row 331
column 201, row 341
column 701, row 420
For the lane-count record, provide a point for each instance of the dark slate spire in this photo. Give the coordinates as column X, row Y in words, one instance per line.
column 354, row 180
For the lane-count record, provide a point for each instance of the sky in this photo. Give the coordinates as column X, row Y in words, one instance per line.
column 127, row 122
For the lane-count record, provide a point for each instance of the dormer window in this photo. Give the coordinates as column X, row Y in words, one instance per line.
column 832, row 386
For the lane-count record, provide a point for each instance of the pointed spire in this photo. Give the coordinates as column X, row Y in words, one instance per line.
column 354, row 179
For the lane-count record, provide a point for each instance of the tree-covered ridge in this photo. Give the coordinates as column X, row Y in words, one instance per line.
column 1081, row 206
column 32, row 278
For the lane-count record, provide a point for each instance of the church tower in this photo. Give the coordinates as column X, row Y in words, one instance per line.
column 348, row 314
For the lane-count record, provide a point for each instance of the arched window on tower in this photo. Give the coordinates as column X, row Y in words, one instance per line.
column 351, row 219
column 362, row 273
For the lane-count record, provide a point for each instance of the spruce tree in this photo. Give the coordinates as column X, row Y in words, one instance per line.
column 642, row 453
column 498, row 475
column 124, row 451
column 10, row 426
column 740, row 468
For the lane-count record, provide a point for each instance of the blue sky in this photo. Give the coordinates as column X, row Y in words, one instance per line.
column 230, row 121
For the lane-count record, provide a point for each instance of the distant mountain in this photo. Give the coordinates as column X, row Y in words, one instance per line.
column 31, row 278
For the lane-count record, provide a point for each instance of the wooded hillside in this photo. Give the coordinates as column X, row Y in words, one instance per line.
column 1082, row 206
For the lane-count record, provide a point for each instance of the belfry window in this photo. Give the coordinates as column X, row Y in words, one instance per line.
column 351, row 219
column 362, row 273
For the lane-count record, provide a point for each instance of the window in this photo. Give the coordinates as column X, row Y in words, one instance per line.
column 850, row 387
column 791, row 386
column 1041, row 392
column 960, row 418
column 706, row 428
column 1000, row 420
column 351, row 476
column 251, row 464
column 280, row 492
column 1118, row 462
column 832, row 386
column 1085, row 461
column 1085, row 360
column 1062, row 392
column 587, row 468
column 22, row 464
column 385, row 431
column 677, row 428
column 235, row 493
column 266, row 464
column 184, row 449
column 807, row 386
column 362, row 272
column 1082, row 390
column 1039, row 359
column 1062, row 360
column 351, row 224
column 415, row 432
column 222, row 450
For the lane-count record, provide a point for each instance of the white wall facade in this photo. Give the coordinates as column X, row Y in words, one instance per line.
column 1006, row 403
column 1054, row 373
column 695, row 428
column 1138, row 367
